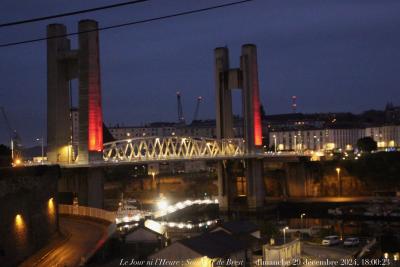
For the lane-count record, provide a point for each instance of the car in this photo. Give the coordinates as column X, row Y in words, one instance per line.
column 330, row 240
column 351, row 241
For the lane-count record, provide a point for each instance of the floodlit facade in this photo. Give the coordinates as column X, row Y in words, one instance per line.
column 385, row 136
column 315, row 140
column 161, row 130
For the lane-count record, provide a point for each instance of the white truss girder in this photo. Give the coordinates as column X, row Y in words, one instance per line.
column 165, row 148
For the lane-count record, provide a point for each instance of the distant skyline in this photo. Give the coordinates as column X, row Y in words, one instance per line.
column 335, row 56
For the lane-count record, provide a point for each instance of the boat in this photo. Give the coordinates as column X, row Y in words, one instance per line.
column 129, row 213
column 335, row 211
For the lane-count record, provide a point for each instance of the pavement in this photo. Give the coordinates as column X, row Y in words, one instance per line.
column 316, row 255
column 82, row 237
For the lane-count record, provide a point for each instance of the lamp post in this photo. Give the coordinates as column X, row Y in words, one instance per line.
column 301, row 219
column 339, row 182
column 12, row 150
column 274, row 143
column 42, row 145
column 153, row 182
column 284, row 234
column 295, row 144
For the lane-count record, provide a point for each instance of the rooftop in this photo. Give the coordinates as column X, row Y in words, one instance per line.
column 240, row 227
column 214, row 244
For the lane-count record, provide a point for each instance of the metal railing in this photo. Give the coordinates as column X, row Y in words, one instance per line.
column 105, row 215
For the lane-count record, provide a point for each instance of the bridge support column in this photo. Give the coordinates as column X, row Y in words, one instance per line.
column 245, row 78
column 226, row 184
column 255, row 183
column 85, row 183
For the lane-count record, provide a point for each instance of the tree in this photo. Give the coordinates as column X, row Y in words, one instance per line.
column 366, row 144
column 5, row 156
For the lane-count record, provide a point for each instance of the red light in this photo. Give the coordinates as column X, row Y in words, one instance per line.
column 95, row 142
column 256, row 111
column 257, row 119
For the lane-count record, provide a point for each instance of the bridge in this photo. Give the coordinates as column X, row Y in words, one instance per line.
column 65, row 64
column 153, row 149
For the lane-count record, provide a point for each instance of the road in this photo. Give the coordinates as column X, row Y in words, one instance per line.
column 83, row 237
column 318, row 255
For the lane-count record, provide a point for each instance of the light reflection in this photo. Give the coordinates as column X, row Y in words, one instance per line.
column 50, row 206
column 20, row 231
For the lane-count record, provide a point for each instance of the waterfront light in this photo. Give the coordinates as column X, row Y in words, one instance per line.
column 17, row 162
column 162, row 204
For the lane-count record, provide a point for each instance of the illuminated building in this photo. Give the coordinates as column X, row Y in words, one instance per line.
column 316, row 139
column 387, row 136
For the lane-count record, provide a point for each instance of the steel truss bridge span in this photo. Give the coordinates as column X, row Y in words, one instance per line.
column 169, row 148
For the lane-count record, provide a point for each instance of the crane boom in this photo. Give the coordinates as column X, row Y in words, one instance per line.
column 10, row 131
column 196, row 111
column 16, row 144
column 181, row 118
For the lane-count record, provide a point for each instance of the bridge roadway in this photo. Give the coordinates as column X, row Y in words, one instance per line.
column 161, row 149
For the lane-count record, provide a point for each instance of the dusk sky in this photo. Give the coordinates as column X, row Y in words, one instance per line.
column 333, row 55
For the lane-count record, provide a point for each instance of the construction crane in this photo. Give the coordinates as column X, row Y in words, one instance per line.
column 181, row 118
column 294, row 104
column 196, row 111
column 16, row 144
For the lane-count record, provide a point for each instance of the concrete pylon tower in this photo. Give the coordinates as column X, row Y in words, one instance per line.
column 63, row 65
column 90, row 112
column 252, row 125
column 58, row 95
column 224, row 120
column 245, row 78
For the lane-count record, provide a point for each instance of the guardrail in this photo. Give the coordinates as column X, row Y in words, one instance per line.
column 105, row 215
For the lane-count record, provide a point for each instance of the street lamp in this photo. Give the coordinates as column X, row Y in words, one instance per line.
column 274, row 142
column 301, row 219
column 41, row 143
column 295, row 144
column 339, row 182
column 284, row 234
